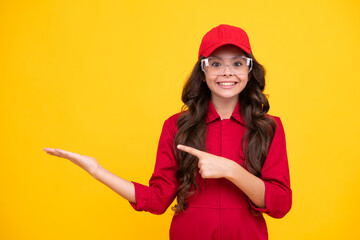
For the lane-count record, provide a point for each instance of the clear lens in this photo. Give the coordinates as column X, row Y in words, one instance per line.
column 238, row 65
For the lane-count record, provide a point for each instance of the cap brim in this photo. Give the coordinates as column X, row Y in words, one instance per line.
column 208, row 51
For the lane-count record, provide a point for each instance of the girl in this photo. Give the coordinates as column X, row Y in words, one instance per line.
column 223, row 157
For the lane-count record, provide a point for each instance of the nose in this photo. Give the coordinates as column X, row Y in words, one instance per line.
column 227, row 71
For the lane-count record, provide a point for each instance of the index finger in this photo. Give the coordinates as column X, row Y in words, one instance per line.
column 193, row 151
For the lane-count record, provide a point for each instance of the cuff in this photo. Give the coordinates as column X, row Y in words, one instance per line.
column 141, row 197
column 278, row 201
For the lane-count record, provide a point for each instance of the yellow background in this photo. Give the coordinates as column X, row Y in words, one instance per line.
column 100, row 77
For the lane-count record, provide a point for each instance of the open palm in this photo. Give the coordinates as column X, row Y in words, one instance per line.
column 87, row 163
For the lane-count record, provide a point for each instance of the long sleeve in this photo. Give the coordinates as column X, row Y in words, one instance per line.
column 161, row 192
column 276, row 176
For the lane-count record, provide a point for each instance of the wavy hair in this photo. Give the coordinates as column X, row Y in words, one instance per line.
column 191, row 124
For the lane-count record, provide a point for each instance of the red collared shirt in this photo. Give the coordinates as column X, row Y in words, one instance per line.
column 219, row 209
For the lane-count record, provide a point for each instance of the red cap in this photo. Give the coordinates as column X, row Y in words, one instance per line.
column 221, row 35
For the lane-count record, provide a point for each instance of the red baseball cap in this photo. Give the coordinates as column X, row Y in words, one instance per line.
column 222, row 35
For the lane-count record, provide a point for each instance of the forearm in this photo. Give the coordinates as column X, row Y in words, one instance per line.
column 251, row 185
column 121, row 186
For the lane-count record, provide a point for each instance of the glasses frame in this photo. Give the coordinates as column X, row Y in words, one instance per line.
column 249, row 62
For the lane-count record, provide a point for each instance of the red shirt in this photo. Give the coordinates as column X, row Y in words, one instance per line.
column 219, row 209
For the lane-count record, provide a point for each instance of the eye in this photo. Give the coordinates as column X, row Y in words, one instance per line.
column 238, row 64
column 215, row 64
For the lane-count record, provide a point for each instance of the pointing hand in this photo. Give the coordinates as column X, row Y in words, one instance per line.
column 210, row 165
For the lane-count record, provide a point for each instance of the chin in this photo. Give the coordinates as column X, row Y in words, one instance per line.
column 230, row 96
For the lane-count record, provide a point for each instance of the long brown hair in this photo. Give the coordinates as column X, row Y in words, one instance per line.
column 191, row 126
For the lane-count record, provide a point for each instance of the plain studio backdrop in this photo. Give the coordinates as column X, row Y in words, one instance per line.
column 99, row 78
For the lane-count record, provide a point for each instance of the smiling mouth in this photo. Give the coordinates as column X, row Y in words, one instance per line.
column 226, row 83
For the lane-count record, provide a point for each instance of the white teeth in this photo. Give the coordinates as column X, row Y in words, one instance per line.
column 226, row 84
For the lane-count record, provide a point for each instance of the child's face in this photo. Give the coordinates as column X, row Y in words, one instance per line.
column 226, row 92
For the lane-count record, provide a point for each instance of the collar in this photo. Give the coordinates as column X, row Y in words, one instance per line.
column 213, row 115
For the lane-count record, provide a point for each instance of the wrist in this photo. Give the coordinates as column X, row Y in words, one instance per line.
column 233, row 170
column 96, row 172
